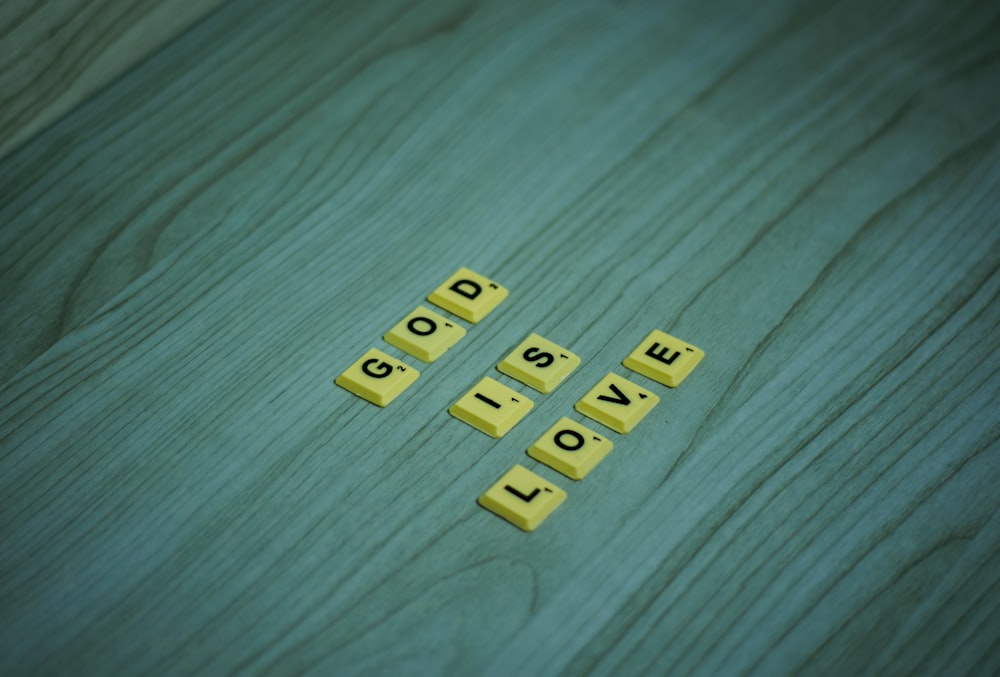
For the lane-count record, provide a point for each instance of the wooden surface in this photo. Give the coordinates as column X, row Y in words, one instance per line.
column 808, row 192
column 55, row 54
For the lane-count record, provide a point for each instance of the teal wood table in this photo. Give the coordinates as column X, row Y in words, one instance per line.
column 809, row 192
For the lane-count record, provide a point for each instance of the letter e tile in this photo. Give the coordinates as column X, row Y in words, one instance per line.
column 664, row 359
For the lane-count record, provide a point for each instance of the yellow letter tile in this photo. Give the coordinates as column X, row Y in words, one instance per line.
column 491, row 407
column 469, row 295
column 539, row 363
column 664, row 359
column 570, row 448
column 377, row 377
column 617, row 403
column 424, row 334
column 522, row 498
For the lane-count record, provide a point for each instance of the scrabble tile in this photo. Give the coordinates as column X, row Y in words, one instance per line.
column 424, row 334
column 468, row 295
column 377, row 377
column 571, row 448
column 491, row 407
column 617, row 403
column 664, row 359
column 522, row 498
column 539, row 363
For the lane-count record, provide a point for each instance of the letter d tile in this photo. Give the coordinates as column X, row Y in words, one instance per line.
column 468, row 295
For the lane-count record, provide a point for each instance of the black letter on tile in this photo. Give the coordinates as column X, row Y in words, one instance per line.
column 660, row 355
column 384, row 368
column 488, row 401
column 526, row 499
column 538, row 355
column 572, row 433
column 621, row 399
column 431, row 326
column 470, row 290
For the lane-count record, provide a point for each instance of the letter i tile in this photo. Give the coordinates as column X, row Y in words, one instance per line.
column 491, row 407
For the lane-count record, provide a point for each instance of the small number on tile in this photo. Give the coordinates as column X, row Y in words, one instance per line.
column 664, row 359
column 491, row 407
column 377, row 377
column 571, row 448
column 617, row 403
column 424, row 334
column 468, row 295
column 522, row 498
column 539, row 363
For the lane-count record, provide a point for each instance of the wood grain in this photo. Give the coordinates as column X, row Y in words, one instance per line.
column 808, row 192
column 53, row 55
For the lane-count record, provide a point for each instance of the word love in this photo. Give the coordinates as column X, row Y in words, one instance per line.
column 525, row 499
